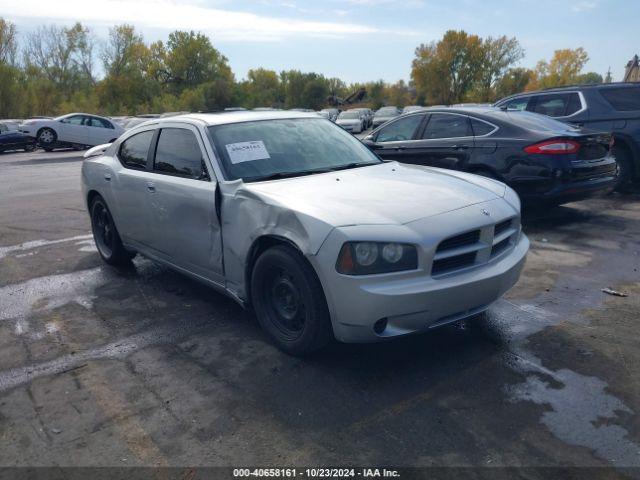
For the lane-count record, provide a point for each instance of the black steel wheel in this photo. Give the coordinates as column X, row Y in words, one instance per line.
column 105, row 234
column 289, row 301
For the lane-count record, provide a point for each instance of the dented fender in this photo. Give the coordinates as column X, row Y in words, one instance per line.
column 247, row 216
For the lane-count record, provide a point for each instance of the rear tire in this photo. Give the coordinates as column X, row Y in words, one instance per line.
column 625, row 166
column 30, row 147
column 289, row 301
column 106, row 236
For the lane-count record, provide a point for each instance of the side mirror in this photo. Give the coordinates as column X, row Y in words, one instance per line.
column 369, row 141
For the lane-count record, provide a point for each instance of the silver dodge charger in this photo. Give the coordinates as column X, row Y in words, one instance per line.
column 289, row 214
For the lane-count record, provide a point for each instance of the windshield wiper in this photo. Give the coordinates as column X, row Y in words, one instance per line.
column 277, row 175
column 300, row 173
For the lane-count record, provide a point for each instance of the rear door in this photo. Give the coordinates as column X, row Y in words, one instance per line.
column 181, row 192
column 100, row 131
column 130, row 186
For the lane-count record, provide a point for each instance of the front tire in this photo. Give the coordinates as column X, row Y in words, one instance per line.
column 47, row 138
column 289, row 301
column 106, row 236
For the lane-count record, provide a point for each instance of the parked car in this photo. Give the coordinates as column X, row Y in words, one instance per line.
column 541, row 158
column 383, row 115
column 412, row 108
column 330, row 113
column 234, row 109
column 135, row 121
column 611, row 107
column 351, row 120
column 12, row 139
column 367, row 114
column 289, row 214
column 75, row 130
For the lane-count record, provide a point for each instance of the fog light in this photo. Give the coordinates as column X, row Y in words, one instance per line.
column 380, row 325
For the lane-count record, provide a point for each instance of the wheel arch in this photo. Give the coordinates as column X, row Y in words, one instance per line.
column 626, row 142
column 260, row 245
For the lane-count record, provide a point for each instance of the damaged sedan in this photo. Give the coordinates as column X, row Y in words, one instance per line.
column 295, row 218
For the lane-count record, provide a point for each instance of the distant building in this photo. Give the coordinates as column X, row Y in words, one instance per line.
column 632, row 70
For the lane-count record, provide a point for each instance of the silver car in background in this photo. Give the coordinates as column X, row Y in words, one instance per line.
column 289, row 214
column 384, row 114
column 352, row 121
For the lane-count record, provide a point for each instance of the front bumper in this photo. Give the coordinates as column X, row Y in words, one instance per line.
column 414, row 301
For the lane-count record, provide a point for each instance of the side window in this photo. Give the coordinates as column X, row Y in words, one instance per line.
column 134, row 150
column 518, row 103
column 552, row 105
column 401, row 129
column 3, row 128
column 99, row 122
column 444, row 125
column 178, row 153
column 574, row 104
column 481, row 128
column 75, row 120
column 625, row 99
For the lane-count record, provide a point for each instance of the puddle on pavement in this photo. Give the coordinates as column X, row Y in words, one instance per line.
column 580, row 407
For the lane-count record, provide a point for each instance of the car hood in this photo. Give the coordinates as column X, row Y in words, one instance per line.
column 389, row 193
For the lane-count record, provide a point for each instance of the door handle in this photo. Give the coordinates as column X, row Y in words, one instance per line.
column 151, row 187
column 461, row 147
column 107, row 177
column 401, row 148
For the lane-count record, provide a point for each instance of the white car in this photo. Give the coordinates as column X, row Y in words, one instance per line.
column 74, row 129
column 352, row 121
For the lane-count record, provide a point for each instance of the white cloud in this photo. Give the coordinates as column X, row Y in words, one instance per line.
column 170, row 14
column 582, row 6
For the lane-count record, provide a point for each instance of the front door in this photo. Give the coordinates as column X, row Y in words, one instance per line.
column 181, row 193
column 73, row 130
column 396, row 140
column 446, row 141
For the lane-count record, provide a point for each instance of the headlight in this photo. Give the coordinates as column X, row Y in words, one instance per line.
column 367, row 258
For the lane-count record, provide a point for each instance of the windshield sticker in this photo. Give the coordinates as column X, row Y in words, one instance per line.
column 247, row 151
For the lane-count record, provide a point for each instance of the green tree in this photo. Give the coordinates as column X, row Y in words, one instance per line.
column 589, row 78
column 191, row 60
column 444, row 72
column 513, row 81
column 498, row 56
column 564, row 68
column 8, row 42
column 262, row 88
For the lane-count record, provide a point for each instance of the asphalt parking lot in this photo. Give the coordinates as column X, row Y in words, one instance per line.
column 104, row 367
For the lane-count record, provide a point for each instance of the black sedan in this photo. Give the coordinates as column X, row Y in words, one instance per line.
column 12, row 139
column 540, row 158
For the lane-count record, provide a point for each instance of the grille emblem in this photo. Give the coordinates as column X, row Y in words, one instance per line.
column 486, row 212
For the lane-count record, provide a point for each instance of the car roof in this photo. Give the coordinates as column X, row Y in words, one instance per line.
column 221, row 118
column 572, row 88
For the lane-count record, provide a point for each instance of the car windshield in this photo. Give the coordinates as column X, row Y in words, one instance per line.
column 349, row 115
column 268, row 149
column 387, row 111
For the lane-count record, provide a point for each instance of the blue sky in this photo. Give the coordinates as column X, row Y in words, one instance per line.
column 356, row 40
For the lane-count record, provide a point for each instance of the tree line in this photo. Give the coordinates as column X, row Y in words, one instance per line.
column 53, row 70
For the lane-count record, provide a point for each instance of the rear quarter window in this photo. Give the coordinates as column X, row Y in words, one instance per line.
column 622, row 99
